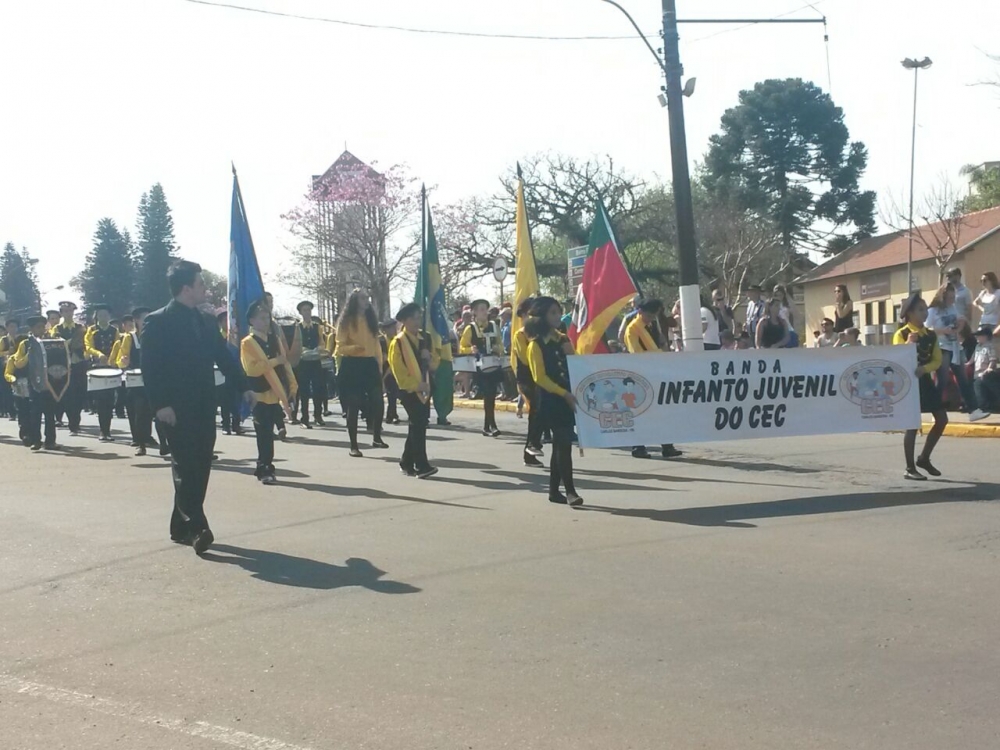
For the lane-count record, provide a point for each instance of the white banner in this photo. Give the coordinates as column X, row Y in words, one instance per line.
column 649, row 399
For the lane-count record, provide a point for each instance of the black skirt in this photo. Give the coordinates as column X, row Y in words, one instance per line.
column 554, row 412
column 930, row 396
column 357, row 378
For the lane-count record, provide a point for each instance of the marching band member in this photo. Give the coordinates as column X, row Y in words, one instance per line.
column 8, row 347
column 310, row 368
column 444, row 379
column 359, row 378
column 640, row 339
column 389, row 383
column 482, row 338
column 271, row 378
column 125, row 326
column 52, row 318
column 412, row 360
column 97, row 344
column 18, row 381
column 547, row 351
column 42, row 400
column 75, row 397
column 139, row 410
column 913, row 314
column 525, row 384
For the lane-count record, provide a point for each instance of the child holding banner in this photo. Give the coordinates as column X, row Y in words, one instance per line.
column 913, row 313
column 547, row 350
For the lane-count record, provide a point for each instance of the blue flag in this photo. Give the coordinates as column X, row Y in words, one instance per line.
column 430, row 293
column 245, row 283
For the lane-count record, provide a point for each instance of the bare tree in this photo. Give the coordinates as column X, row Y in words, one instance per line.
column 939, row 226
column 356, row 230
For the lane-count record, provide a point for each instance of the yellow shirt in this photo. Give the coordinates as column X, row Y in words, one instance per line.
column 637, row 337
column 928, row 351
column 519, row 349
column 256, row 365
column 404, row 352
column 16, row 361
column 465, row 345
column 358, row 341
column 537, row 364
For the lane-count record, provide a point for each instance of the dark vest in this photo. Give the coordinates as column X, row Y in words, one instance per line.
column 423, row 345
column 555, row 361
column 259, row 384
column 925, row 346
column 135, row 353
column 485, row 340
column 104, row 339
column 310, row 336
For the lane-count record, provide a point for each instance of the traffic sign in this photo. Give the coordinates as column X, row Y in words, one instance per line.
column 500, row 268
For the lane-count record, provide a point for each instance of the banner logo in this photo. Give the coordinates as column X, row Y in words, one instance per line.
column 875, row 386
column 614, row 398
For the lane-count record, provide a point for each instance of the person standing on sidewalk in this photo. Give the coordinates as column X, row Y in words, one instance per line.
column 180, row 348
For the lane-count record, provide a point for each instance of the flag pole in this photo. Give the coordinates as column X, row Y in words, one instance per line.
column 424, row 281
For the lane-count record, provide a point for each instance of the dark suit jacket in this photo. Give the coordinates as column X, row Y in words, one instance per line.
column 180, row 348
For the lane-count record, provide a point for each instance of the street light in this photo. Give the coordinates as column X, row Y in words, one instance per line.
column 916, row 66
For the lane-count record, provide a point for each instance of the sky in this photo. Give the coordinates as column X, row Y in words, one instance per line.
column 104, row 98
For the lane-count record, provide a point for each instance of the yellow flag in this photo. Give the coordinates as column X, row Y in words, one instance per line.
column 525, row 276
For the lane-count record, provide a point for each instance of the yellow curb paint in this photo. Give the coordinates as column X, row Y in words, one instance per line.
column 967, row 430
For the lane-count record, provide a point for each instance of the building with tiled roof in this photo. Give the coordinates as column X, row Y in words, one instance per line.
column 874, row 270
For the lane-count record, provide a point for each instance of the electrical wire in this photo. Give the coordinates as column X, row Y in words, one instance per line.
column 749, row 25
column 413, row 30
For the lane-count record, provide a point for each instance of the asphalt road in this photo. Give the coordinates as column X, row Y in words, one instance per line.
column 768, row 594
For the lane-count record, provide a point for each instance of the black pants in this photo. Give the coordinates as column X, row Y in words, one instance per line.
column 312, row 385
column 42, row 406
column 487, row 383
column 23, row 406
column 561, row 464
column 121, row 398
column 419, row 415
column 530, row 391
column 104, row 402
column 7, row 407
column 229, row 406
column 988, row 391
column 76, row 396
column 140, row 416
column 392, row 393
column 192, row 441
column 265, row 416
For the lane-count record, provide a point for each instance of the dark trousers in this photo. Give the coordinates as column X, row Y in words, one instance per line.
column 76, row 396
column 487, row 383
column 312, row 385
column 530, row 391
column 988, row 391
column 419, row 415
column 561, row 463
column 192, row 441
column 265, row 417
column 229, row 406
column 7, row 399
column 23, row 406
column 42, row 406
column 104, row 402
column 140, row 415
column 392, row 393
column 121, row 398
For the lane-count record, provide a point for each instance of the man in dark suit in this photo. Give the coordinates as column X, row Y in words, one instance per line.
column 180, row 348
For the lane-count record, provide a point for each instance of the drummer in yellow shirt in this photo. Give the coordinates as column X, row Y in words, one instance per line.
column 482, row 338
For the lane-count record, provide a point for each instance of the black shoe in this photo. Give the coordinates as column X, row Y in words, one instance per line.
column 140, row 451
column 574, row 500
column 926, row 465
column 185, row 540
column 640, row 453
column 239, row 430
column 133, row 444
column 912, row 473
column 534, row 450
column 487, row 432
column 269, row 479
column 282, row 433
column 408, row 470
column 152, row 443
column 294, row 420
column 107, row 439
column 74, row 433
column 379, row 443
column 51, row 446
column 320, row 422
column 442, row 422
column 670, row 451
column 558, row 498
column 425, row 473
column 495, row 432
column 227, row 432
column 355, row 453
column 328, row 413
column 59, row 423
column 36, row 447
column 307, row 425
column 202, row 541
column 530, row 460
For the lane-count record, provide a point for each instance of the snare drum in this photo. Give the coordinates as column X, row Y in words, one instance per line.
column 465, row 363
column 489, row 363
column 21, row 388
column 328, row 364
column 104, row 379
column 220, row 379
column 133, row 379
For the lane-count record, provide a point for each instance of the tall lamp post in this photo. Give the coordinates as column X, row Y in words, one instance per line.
column 916, row 66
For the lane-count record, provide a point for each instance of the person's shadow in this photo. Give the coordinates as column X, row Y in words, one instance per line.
column 288, row 570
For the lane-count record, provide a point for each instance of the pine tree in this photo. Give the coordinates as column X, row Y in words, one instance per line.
column 109, row 275
column 18, row 281
column 156, row 248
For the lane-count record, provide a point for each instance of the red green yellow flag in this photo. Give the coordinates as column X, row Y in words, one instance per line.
column 606, row 287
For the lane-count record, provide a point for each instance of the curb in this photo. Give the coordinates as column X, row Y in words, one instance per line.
column 963, row 429
column 463, row 403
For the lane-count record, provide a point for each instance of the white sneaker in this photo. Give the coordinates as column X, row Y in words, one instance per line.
column 977, row 415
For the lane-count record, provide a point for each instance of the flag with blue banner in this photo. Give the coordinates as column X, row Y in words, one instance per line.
column 245, row 283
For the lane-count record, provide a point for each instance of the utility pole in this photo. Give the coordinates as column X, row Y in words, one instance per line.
column 687, row 250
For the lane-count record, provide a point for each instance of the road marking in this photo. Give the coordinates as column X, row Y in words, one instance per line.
column 222, row 735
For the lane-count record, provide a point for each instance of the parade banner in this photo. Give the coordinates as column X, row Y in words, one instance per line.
column 651, row 399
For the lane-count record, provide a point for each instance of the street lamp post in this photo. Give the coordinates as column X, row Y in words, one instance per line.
column 916, row 66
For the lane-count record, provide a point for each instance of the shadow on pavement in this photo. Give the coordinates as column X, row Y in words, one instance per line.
column 739, row 515
column 748, row 465
column 78, row 452
column 329, row 489
column 288, row 570
column 447, row 463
